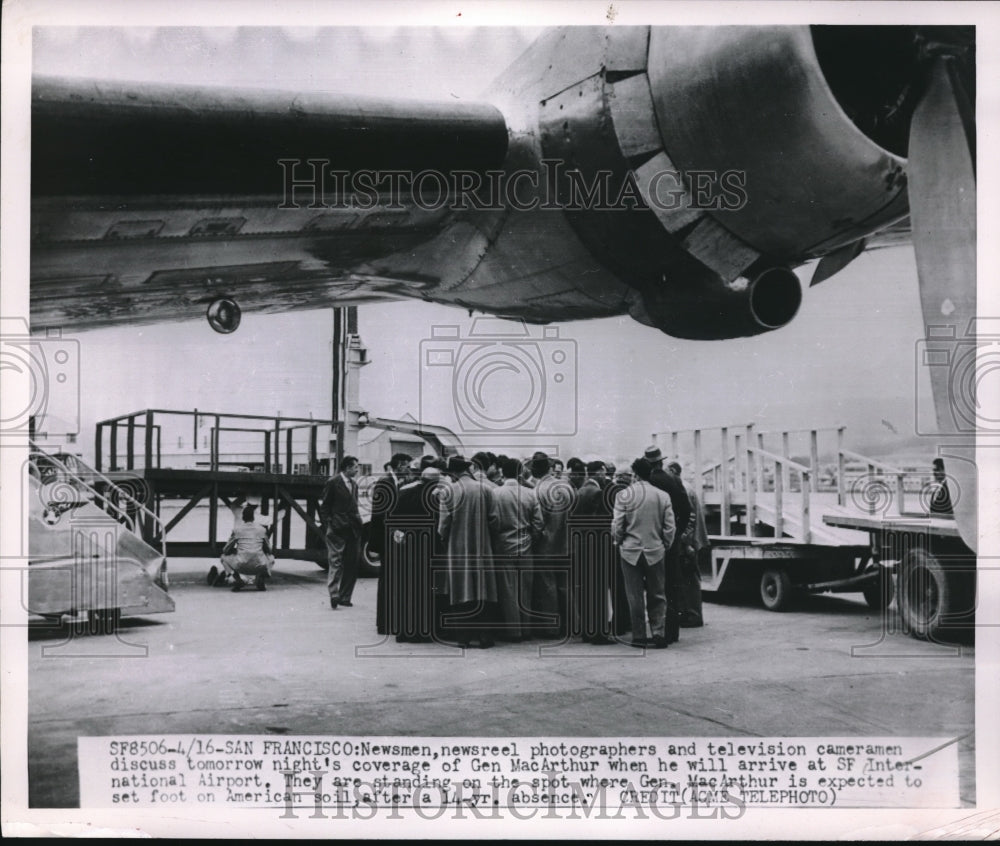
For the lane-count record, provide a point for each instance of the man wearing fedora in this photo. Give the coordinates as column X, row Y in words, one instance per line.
column 469, row 526
column 672, row 486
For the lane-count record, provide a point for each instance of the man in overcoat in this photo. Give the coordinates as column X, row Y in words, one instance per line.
column 469, row 527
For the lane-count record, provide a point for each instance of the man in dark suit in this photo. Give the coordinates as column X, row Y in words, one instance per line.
column 551, row 590
column 941, row 497
column 692, row 543
column 385, row 497
column 621, row 615
column 681, row 505
column 412, row 546
column 342, row 522
column 593, row 560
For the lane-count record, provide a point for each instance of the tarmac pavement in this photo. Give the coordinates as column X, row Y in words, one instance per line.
column 283, row 662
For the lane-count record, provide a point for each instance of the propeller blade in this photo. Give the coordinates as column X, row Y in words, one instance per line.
column 942, row 194
column 833, row 263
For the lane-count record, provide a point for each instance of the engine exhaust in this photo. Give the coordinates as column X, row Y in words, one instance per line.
column 706, row 308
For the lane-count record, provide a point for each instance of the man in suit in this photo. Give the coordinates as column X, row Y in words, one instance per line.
column 592, row 567
column 643, row 529
column 674, row 488
column 576, row 473
column 385, row 497
column 551, row 589
column 621, row 616
column 520, row 527
column 412, row 545
column 692, row 544
column 342, row 523
column 941, row 497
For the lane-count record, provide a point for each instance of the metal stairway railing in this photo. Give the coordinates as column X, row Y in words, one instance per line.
column 767, row 486
column 112, row 497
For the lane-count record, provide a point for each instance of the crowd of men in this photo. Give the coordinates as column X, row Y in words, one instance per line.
column 496, row 548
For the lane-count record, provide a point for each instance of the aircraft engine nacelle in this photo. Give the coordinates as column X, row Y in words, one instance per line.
column 677, row 180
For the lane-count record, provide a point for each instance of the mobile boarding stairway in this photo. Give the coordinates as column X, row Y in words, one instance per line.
column 94, row 547
column 779, row 518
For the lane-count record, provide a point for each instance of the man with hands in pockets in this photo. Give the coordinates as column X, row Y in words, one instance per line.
column 339, row 512
column 643, row 529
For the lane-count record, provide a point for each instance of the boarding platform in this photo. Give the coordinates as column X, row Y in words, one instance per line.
column 790, row 511
column 194, row 467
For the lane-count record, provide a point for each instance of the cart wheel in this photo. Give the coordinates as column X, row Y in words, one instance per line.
column 371, row 561
column 930, row 599
column 775, row 589
column 879, row 594
column 103, row 620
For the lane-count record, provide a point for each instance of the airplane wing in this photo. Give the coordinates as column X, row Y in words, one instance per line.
column 151, row 201
column 676, row 174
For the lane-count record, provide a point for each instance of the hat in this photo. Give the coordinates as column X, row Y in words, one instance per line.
column 431, row 474
column 457, row 464
column 653, row 453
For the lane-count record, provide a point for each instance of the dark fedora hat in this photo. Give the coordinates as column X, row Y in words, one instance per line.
column 653, row 453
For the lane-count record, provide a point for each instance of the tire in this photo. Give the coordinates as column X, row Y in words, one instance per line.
column 370, row 564
column 775, row 590
column 879, row 594
column 930, row 598
column 369, row 561
column 103, row 621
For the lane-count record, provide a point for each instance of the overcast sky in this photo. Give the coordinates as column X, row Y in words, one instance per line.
column 848, row 358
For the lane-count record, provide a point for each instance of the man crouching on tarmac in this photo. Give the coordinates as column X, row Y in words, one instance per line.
column 247, row 553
